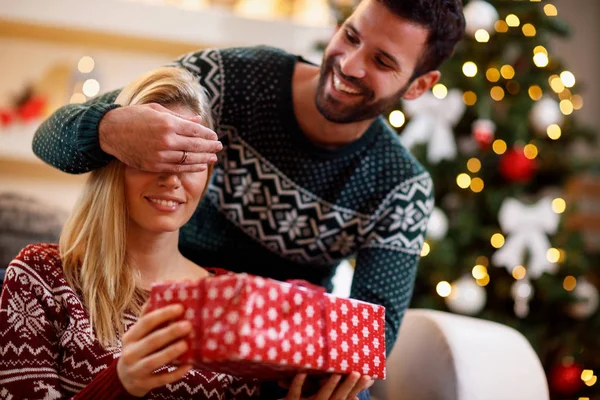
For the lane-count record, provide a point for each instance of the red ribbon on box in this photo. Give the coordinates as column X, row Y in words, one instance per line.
column 251, row 326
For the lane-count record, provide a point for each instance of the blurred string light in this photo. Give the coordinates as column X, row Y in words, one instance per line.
column 482, row 36
column 440, row 91
column 519, row 272
column 567, row 78
column 530, row 151
column 499, row 146
column 479, row 271
column 592, row 381
column 569, row 283
column 91, row 87
column 443, row 289
column 577, row 101
column 469, row 69
column 474, row 165
column 497, row 240
column 540, row 60
column 512, row 20
column 497, row 93
column 553, row 255
column 397, row 118
column 566, row 107
column 540, row 49
column 559, row 205
column 425, row 249
column 470, row 98
column 535, row 92
column 483, row 281
column 77, row 98
column 477, row 185
column 529, row 30
column 463, row 181
column 550, row 10
column 501, row 26
column 556, row 83
column 554, row 132
column 507, row 71
column 482, row 260
column 565, row 95
column 86, row 64
column 492, row 74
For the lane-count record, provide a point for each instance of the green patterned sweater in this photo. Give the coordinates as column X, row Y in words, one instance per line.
column 278, row 205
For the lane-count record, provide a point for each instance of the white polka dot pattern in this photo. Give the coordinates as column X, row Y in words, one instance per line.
column 254, row 335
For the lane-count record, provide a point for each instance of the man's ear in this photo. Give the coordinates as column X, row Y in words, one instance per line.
column 422, row 84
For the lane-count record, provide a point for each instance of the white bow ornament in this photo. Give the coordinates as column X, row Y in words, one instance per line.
column 526, row 228
column 432, row 121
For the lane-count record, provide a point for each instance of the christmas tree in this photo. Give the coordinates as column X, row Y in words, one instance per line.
column 497, row 135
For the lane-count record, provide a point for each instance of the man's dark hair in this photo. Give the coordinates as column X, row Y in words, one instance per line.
column 443, row 19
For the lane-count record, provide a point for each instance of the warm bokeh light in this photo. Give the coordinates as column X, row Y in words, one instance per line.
column 77, row 98
column 499, row 146
column 556, row 83
column 530, row 151
column 512, row 20
column 497, row 240
column 569, row 283
column 567, row 78
column 397, row 118
column 463, row 181
column 443, row 289
column 477, row 185
column 483, row 281
column 540, row 49
column 566, row 107
column 482, row 260
column 591, row 381
column 529, row 30
column 469, row 69
column 587, row 374
column 540, row 60
column 474, row 165
column 565, row 95
column 440, row 91
column 535, row 92
column 513, row 87
column 507, row 71
column 479, row 271
column 577, row 101
column 497, row 93
column 501, row 26
column 554, row 132
column 492, row 74
column 470, row 98
column 91, row 87
column 425, row 249
column 559, row 205
column 519, row 272
column 553, row 255
column 550, row 10
column 86, row 64
column 482, row 36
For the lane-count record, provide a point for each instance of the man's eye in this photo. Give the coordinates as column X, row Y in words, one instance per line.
column 382, row 63
column 351, row 38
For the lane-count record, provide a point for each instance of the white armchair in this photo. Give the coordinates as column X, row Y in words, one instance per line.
column 443, row 356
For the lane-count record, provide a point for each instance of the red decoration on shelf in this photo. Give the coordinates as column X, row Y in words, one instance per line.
column 565, row 379
column 32, row 109
column 515, row 167
column 7, row 116
column 484, row 132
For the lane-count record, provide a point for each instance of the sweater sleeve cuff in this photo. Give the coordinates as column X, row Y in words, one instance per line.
column 88, row 138
column 106, row 386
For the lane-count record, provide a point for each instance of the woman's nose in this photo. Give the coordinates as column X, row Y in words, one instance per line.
column 169, row 180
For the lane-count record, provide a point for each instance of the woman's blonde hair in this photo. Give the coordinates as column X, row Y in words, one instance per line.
column 93, row 243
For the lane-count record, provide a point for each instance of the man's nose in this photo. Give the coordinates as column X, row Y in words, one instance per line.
column 353, row 64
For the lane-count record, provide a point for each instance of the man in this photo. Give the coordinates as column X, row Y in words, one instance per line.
column 310, row 173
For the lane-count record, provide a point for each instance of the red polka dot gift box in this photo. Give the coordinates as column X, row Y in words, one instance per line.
column 246, row 325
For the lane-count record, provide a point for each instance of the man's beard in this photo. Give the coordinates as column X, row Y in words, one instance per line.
column 367, row 108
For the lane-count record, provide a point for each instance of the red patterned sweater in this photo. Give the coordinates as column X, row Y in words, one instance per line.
column 48, row 350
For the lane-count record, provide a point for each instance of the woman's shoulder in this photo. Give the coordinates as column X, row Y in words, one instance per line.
column 41, row 259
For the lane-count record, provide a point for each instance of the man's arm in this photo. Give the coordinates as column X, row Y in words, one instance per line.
column 386, row 264
column 81, row 137
column 68, row 140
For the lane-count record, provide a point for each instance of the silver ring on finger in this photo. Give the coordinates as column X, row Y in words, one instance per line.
column 183, row 157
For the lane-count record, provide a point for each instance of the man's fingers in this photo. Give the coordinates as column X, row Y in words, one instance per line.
column 185, row 127
column 329, row 387
column 191, row 158
column 343, row 390
column 363, row 383
column 196, row 144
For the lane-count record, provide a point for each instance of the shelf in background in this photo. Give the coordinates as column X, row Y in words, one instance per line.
column 140, row 26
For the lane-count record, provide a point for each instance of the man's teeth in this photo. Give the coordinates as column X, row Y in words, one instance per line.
column 168, row 203
column 339, row 85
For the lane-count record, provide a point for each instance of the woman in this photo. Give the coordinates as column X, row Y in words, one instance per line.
column 72, row 317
